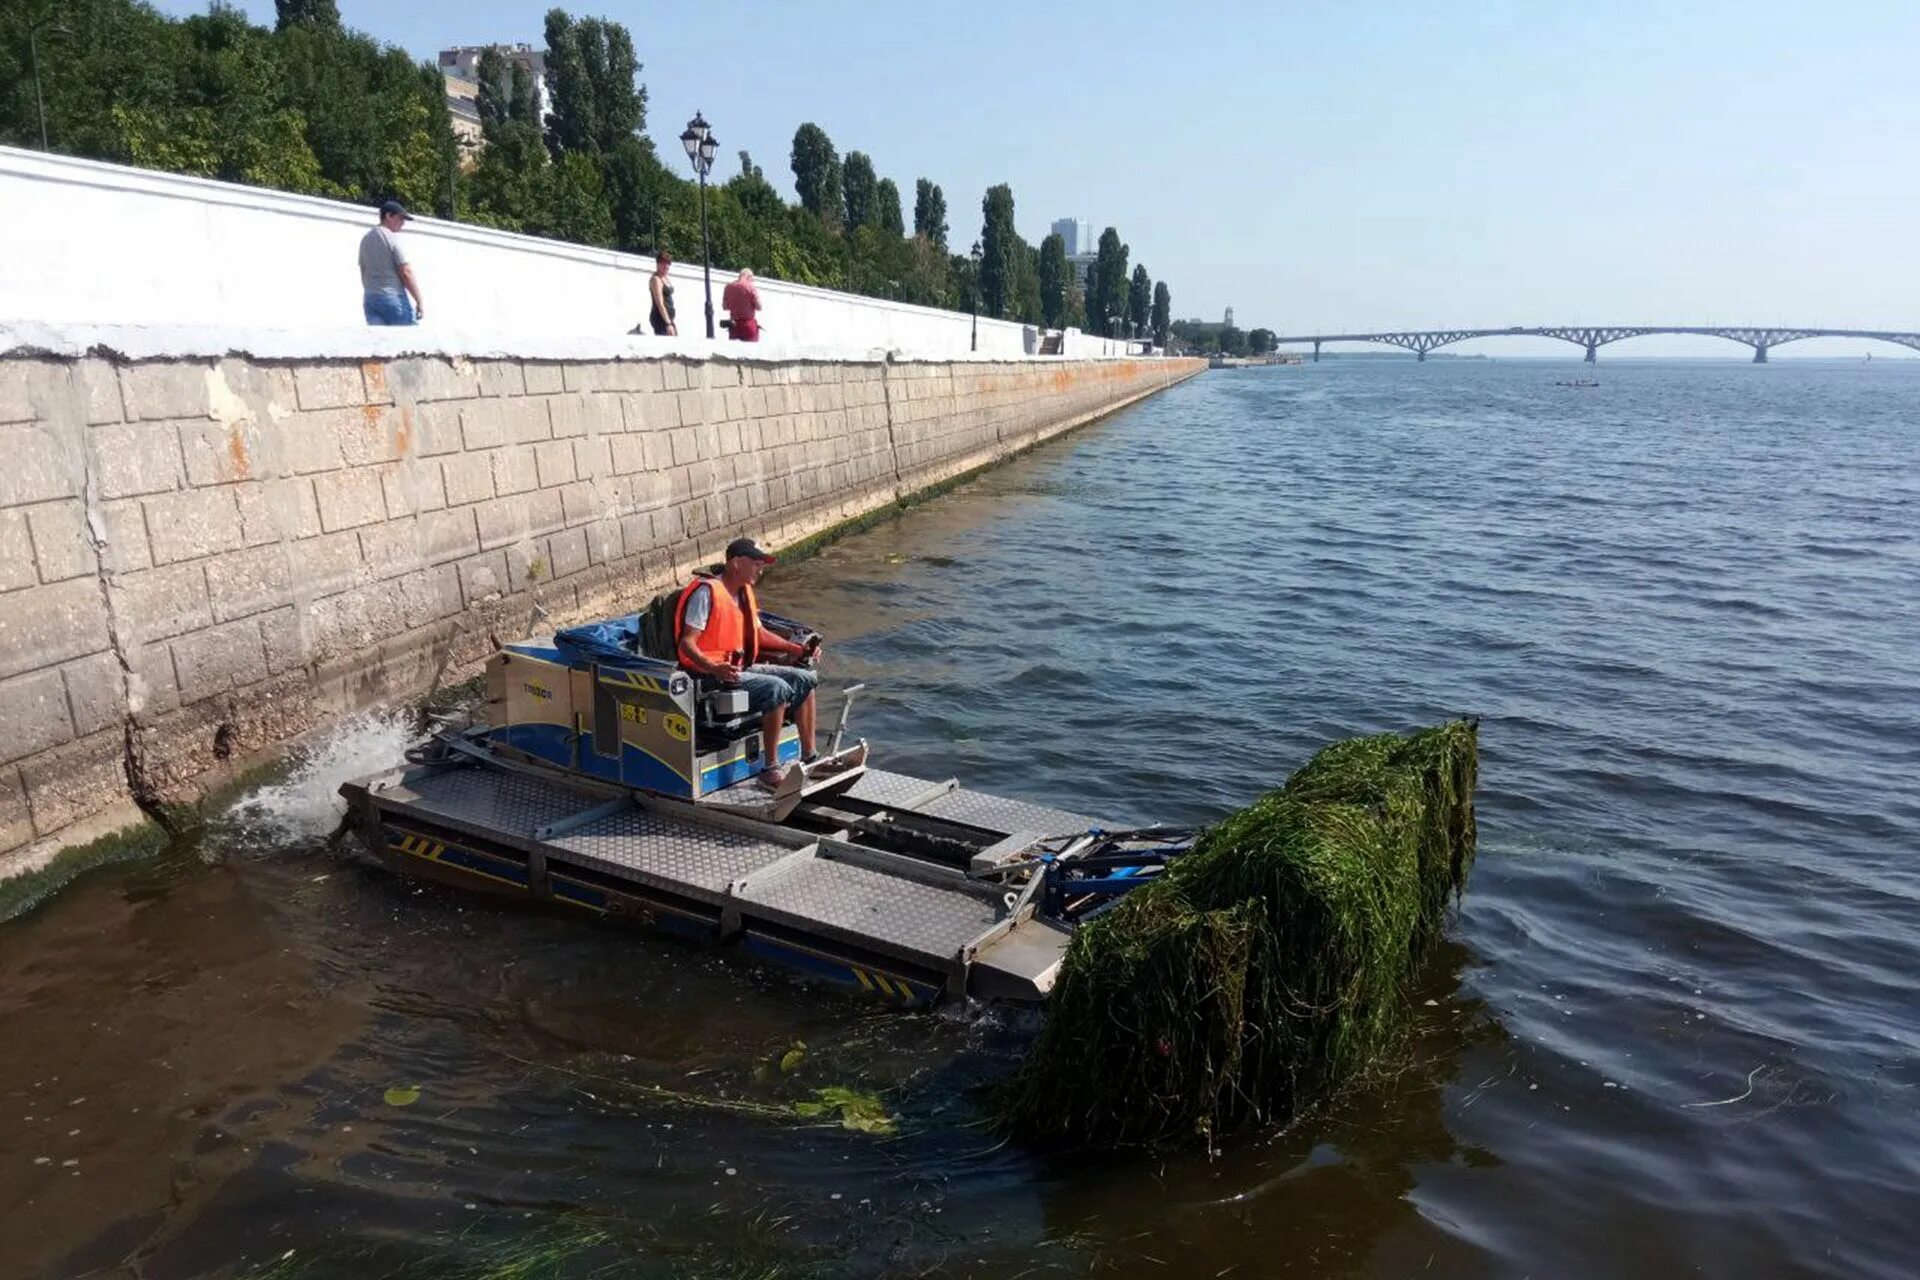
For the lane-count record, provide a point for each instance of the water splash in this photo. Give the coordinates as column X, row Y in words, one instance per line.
column 305, row 806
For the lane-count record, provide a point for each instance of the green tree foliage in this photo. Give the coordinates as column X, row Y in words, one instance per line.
column 524, row 96
column 494, row 96
column 1053, row 280
column 1139, row 300
column 1107, row 288
column 816, row 171
column 930, row 213
column 1260, row 342
column 575, row 204
column 886, row 198
column 1000, row 242
column 1162, row 318
column 309, row 13
column 858, row 186
column 593, row 72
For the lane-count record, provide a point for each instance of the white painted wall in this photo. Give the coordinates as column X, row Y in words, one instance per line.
column 101, row 244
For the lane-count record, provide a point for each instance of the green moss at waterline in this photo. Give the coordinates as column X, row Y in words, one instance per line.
column 22, row 893
column 1270, row 966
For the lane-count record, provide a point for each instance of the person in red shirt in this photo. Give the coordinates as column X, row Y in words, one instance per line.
column 742, row 301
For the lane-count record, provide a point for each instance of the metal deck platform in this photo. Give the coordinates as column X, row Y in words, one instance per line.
column 886, row 920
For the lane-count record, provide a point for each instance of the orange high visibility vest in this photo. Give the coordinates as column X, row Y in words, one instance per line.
column 731, row 634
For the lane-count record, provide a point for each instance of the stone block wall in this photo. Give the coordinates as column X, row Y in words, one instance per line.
column 203, row 558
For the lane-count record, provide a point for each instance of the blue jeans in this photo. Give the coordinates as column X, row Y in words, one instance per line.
column 387, row 308
column 769, row 686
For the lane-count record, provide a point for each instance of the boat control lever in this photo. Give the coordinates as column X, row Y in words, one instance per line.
column 846, row 709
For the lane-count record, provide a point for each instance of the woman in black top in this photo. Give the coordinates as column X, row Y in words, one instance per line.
column 662, row 294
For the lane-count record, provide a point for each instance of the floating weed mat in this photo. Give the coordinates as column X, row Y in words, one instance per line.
column 1268, row 966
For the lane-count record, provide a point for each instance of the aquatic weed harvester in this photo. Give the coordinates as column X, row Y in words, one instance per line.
column 1193, row 979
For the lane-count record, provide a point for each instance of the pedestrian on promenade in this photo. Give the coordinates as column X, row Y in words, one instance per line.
column 661, row 293
column 386, row 277
column 742, row 300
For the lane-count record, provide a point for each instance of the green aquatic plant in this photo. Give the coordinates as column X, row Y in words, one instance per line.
column 1270, row 965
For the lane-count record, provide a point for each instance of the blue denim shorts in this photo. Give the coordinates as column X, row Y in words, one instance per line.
column 387, row 308
column 769, row 686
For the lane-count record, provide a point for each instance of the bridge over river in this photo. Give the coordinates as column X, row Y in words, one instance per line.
column 1593, row 337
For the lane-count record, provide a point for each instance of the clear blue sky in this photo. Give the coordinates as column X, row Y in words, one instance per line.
column 1325, row 167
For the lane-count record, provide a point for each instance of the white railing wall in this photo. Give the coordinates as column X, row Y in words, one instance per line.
column 102, row 244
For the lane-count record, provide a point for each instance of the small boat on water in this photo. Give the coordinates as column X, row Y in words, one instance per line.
column 599, row 774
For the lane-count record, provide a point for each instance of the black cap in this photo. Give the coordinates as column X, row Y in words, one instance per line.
column 747, row 547
column 392, row 207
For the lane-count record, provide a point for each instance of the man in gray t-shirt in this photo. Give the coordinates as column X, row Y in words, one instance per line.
column 386, row 278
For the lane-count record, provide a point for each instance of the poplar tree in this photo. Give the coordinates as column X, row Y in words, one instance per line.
column 887, row 196
column 1139, row 299
column 999, row 243
column 1107, row 286
column 857, row 183
column 930, row 213
column 1053, row 280
column 816, row 171
column 324, row 14
column 1162, row 314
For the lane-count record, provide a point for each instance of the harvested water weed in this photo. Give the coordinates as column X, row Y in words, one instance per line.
column 1269, row 967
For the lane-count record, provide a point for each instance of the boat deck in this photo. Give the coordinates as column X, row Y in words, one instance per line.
column 812, row 894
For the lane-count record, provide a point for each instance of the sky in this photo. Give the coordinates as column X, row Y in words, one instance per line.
column 1326, row 168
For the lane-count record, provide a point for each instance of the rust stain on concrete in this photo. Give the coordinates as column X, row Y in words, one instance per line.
column 239, row 465
column 375, row 374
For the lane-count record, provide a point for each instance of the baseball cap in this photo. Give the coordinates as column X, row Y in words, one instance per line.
column 747, row 547
column 394, row 206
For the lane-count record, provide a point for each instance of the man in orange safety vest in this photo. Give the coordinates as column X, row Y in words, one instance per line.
column 721, row 637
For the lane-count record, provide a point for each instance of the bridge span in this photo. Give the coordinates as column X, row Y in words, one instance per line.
column 1760, row 337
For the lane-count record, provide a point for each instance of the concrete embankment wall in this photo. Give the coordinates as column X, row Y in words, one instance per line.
column 203, row 556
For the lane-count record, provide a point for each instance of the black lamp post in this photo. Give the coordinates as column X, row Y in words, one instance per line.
column 701, row 144
column 33, row 64
column 976, row 253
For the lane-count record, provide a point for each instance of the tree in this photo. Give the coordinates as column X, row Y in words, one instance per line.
column 1139, row 300
column 324, row 14
column 816, row 171
column 930, row 213
column 574, row 206
column 887, row 197
column 997, row 240
column 523, row 103
column 1053, row 280
column 748, row 169
column 494, row 100
column 591, row 72
column 857, row 183
column 1107, row 286
column 1260, row 342
column 1162, row 314
column 570, row 125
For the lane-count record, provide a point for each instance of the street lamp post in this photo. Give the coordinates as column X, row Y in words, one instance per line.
column 701, row 145
column 33, row 64
column 976, row 253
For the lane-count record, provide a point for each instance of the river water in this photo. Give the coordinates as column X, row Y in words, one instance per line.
column 1673, row 1028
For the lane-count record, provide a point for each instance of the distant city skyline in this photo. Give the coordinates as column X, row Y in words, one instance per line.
column 1327, row 170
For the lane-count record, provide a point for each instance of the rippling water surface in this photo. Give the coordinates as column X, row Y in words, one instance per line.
column 1672, row 1030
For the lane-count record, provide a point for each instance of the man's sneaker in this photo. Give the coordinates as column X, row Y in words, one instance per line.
column 772, row 778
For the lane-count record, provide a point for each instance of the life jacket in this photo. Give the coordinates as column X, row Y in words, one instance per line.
column 731, row 634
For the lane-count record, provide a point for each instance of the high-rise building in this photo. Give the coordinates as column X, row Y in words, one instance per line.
column 1229, row 317
column 1076, row 233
